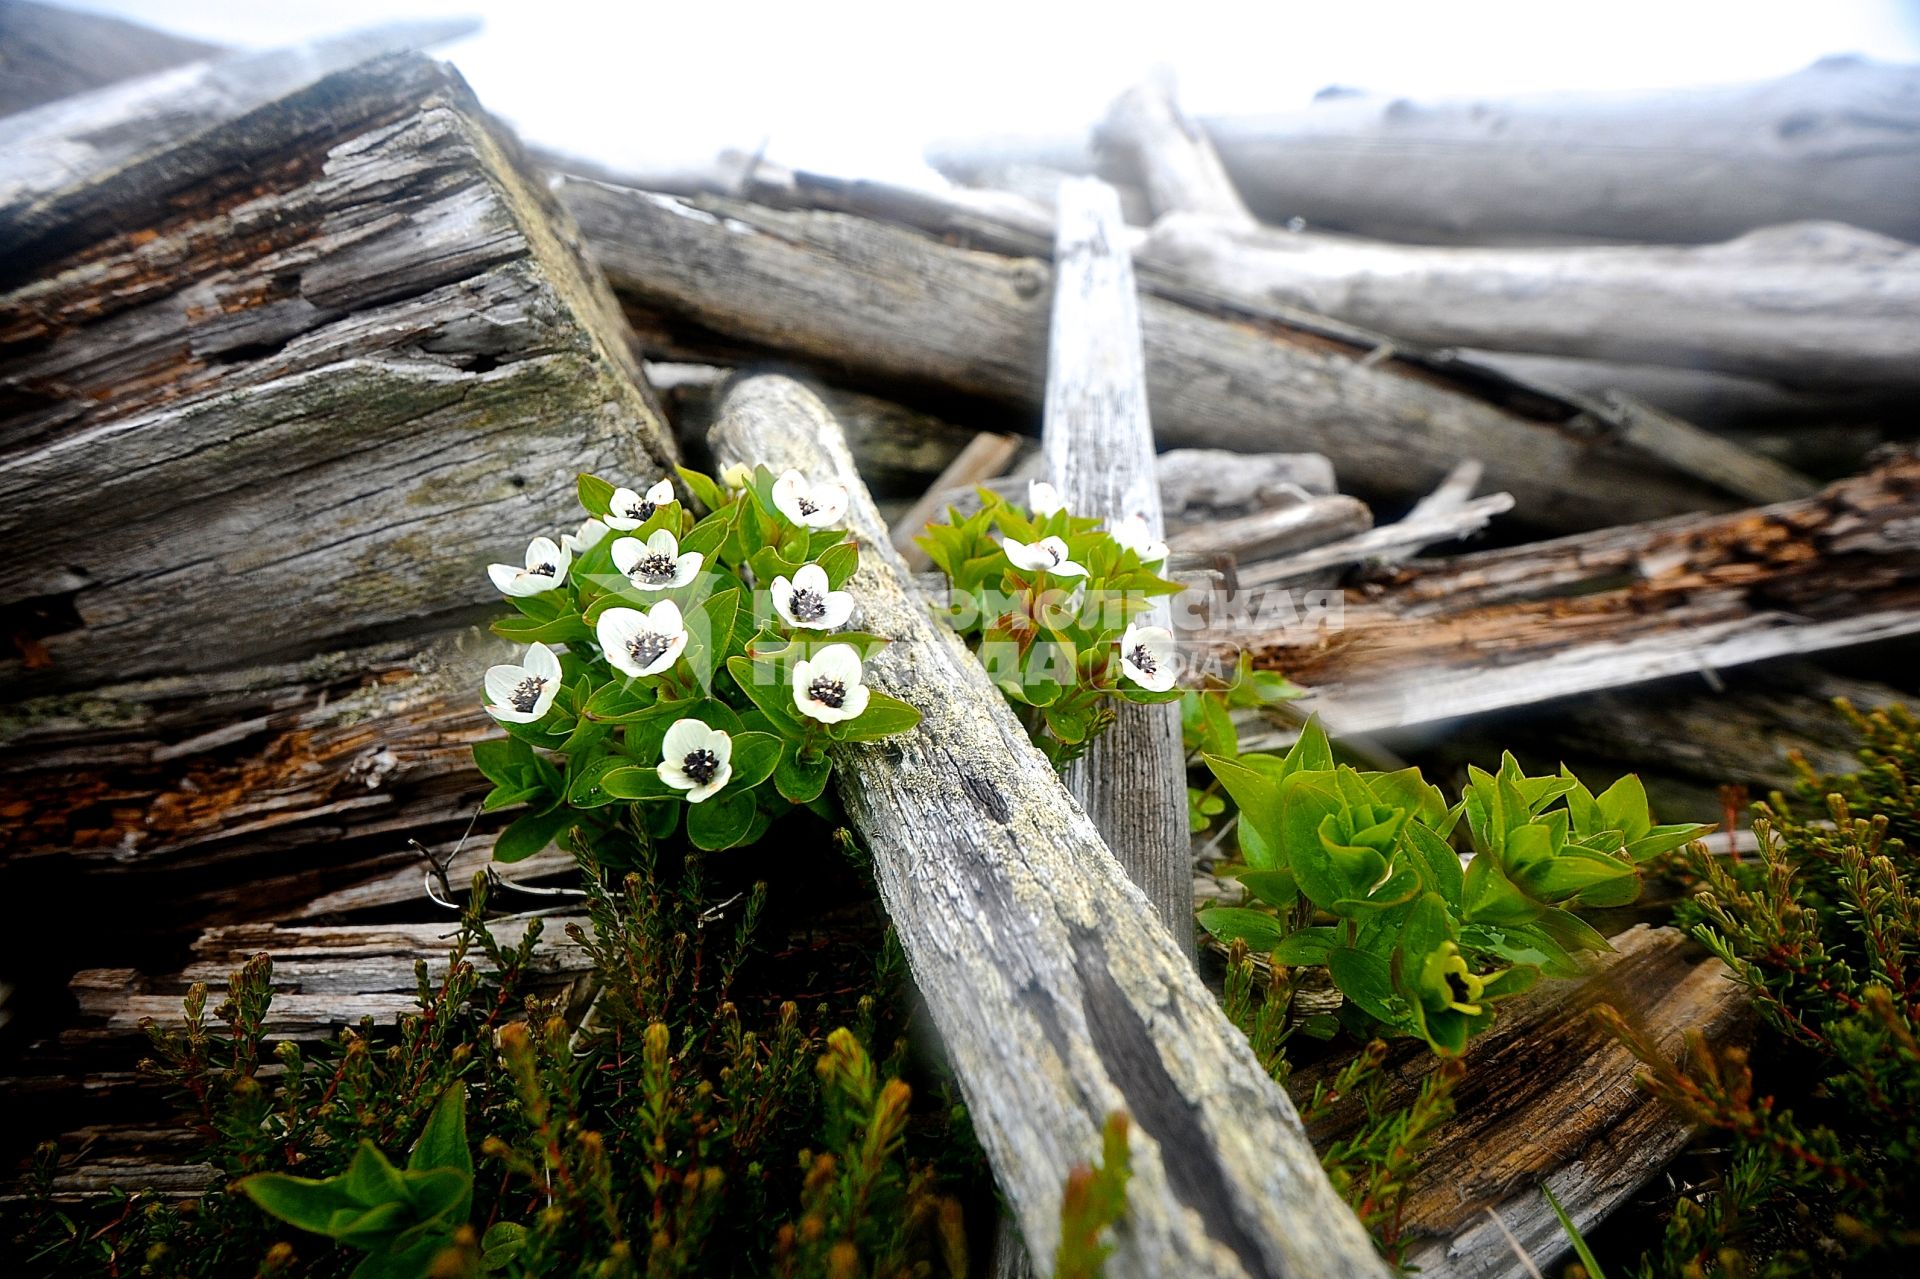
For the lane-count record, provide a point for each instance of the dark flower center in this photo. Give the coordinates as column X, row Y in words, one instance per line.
column 526, row 694
column 1051, row 554
column 1457, row 986
column 701, row 765
column 542, row 570
column 656, row 567
column 1141, row 658
column 647, row 648
column 806, row 505
column 828, row 692
column 641, row 510
column 808, row 606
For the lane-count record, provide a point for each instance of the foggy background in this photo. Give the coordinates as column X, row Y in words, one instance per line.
column 860, row 88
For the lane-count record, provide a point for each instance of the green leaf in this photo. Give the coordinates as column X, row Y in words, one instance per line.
column 1261, row 931
column 721, row 821
column 1664, row 839
column 1257, row 792
column 704, row 489
column 566, row 629
column 800, row 780
column 713, row 623
column 299, row 1201
column 1623, row 807
column 1440, row 864
column 442, row 1143
column 371, row 1180
column 504, row 761
column 441, row 1196
column 624, row 702
column 501, row 1244
column 1312, row 752
column 755, row 755
column 595, row 494
column 1307, row 947
column 1367, row 980
column 530, row 833
column 1274, row 887
column 839, row 562
column 884, row 717
column 763, row 685
column 635, row 781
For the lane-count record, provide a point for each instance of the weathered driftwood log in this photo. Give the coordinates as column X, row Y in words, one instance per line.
column 1204, row 242
column 1838, row 140
column 1148, row 133
column 1059, row 997
column 1202, row 485
column 266, row 422
column 1011, row 226
column 1441, row 638
column 49, row 53
column 67, row 142
column 900, row 450
column 862, row 298
column 1098, row 443
column 1812, row 304
column 1281, row 530
column 1548, row 1099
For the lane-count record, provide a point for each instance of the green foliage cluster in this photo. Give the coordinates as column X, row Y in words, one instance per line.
column 1356, row 871
column 1094, row 1201
column 685, row 1130
column 1823, row 1153
column 1048, row 602
column 666, row 623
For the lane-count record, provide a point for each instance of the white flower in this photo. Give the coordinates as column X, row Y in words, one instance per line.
column 656, row 564
column 1148, row 658
column 628, row 510
column 828, row 687
column 642, row 643
column 737, row 476
column 809, row 505
column 590, row 535
column 1048, row 555
column 521, row 694
column 696, row 759
column 1131, row 532
column 806, row 601
column 546, row 568
column 1043, row 499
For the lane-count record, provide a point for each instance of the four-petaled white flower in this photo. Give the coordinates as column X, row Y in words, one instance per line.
column 809, row 505
column 1148, row 657
column 642, row 643
column 521, row 694
column 628, row 510
column 656, row 564
column 546, row 568
column 1043, row 499
column 591, row 534
column 696, row 759
column 828, row 687
column 1048, row 555
column 806, row 601
column 1132, row 533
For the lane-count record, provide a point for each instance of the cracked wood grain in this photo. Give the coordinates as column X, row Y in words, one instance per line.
column 293, row 383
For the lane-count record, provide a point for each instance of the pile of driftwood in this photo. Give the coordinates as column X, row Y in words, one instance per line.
column 292, row 343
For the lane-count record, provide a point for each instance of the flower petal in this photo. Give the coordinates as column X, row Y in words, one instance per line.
column 626, row 553
column 685, row 737
column 664, row 619
column 856, row 703
column 501, row 681
column 542, row 661
column 838, row 661
column 662, row 493
column 503, row 576
column 711, row 787
column 811, row 577
column 839, row 605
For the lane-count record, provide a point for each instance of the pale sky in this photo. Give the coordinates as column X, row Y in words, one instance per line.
column 859, row 88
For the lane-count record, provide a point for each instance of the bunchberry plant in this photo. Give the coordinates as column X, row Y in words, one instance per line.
column 1357, row 872
column 1049, row 602
column 680, row 667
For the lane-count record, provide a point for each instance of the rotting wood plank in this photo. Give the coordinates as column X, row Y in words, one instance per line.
column 1581, row 1128
column 295, row 415
column 1435, row 639
column 1058, row 997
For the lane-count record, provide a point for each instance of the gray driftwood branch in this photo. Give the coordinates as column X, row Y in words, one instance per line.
column 1059, row 996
